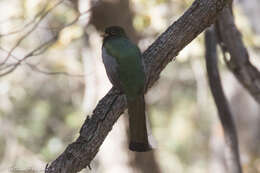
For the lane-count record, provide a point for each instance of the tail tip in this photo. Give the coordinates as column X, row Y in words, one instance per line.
column 139, row 147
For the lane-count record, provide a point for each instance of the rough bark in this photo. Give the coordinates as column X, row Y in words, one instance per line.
column 232, row 45
column 79, row 154
column 224, row 113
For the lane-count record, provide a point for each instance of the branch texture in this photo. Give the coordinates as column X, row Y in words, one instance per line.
column 79, row 154
column 224, row 113
column 233, row 46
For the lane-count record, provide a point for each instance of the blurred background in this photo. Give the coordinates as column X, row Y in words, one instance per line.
column 52, row 77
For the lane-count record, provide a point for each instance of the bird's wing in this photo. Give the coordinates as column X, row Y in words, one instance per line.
column 124, row 65
column 111, row 67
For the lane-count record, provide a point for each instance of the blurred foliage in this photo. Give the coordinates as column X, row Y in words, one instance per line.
column 40, row 113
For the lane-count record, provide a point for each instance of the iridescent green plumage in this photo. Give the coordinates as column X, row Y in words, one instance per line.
column 123, row 63
column 130, row 69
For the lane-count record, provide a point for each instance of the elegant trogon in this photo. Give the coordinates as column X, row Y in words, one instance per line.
column 125, row 70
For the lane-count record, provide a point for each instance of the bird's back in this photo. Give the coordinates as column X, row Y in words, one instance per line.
column 129, row 66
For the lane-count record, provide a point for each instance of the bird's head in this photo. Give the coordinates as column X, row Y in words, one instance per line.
column 114, row 31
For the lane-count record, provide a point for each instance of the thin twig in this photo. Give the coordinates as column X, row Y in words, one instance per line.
column 34, row 52
column 27, row 24
column 28, row 33
column 43, row 47
column 35, row 67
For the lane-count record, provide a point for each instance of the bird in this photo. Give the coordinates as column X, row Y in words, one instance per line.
column 125, row 69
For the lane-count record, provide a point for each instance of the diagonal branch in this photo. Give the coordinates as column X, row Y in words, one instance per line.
column 224, row 113
column 79, row 154
column 232, row 45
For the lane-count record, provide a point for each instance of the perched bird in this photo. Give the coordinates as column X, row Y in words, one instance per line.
column 125, row 70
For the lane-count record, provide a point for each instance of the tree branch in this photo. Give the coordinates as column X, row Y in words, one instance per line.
column 232, row 45
column 224, row 113
column 35, row 67
column 7, row 68
column 42, row 15
column 79, row 154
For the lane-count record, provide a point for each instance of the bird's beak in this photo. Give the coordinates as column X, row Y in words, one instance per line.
column 103, row 35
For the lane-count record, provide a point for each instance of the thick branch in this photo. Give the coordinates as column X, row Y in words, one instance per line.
column 232, row 45
column 224, row 113
column 79, row 154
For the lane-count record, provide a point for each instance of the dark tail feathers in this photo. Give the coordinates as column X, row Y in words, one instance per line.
column 137, row 122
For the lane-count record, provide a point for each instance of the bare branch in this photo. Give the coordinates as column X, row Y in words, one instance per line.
column 41, row 48
column 27, row 34
column 224, row 113
column 34, row 67
column 34, row 52
column 79, row 154
column 232, row 45
column 27, row 24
